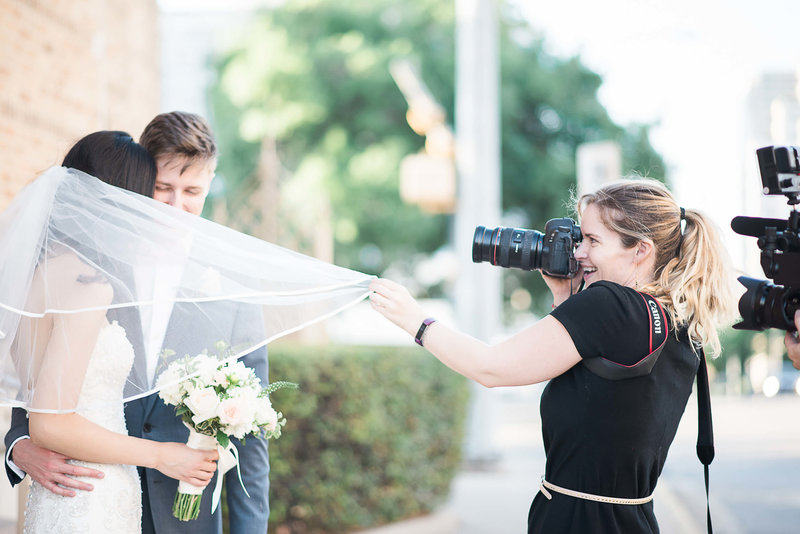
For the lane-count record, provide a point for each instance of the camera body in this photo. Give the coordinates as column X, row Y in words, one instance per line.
column 552, row 252
column 764, row 304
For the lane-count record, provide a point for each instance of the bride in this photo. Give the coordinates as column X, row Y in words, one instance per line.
column 78, row 365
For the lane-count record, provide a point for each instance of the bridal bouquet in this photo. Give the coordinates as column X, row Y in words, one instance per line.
column 219, row 400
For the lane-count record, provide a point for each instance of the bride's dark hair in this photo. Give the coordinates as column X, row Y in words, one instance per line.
column 115, row 158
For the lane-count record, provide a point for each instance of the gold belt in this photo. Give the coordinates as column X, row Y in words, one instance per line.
column 545, row 485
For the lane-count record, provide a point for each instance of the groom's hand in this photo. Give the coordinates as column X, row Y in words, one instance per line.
column 50, row 469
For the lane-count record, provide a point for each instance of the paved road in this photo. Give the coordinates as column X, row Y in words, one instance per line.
column 755, row 477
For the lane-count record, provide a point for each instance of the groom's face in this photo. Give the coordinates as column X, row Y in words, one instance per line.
column 184, row 186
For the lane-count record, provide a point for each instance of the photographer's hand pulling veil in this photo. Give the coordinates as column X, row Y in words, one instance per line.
column 78, row 256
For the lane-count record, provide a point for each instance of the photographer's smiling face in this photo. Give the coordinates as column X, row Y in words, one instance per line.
column 603, row 256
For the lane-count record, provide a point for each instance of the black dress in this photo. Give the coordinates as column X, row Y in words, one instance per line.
column 610, row 437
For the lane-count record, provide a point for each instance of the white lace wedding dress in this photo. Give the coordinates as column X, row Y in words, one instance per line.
column 115, row 504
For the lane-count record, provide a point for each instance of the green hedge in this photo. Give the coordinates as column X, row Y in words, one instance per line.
column 374, row 435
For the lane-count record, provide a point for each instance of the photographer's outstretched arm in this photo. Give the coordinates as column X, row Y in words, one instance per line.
column 793, row 343
column 538, row 353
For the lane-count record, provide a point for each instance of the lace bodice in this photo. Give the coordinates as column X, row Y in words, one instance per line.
column 100, row 400
column 115, row 504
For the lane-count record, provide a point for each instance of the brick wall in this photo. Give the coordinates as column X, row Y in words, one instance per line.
column 67, row 68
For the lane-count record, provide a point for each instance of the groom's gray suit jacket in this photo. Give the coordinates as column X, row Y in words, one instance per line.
column 150, row 418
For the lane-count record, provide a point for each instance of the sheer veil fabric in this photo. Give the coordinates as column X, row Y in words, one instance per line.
column 77, row 255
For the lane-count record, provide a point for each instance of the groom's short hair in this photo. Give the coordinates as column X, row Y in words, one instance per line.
column 179, row 134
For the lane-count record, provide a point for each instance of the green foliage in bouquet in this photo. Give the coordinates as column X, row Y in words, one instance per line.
column 374, row 436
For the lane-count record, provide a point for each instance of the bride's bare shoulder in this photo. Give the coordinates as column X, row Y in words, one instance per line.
column 68, row 282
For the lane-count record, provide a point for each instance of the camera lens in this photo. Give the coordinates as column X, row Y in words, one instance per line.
column 508, row 247
column 766, row 305
column 482, row 244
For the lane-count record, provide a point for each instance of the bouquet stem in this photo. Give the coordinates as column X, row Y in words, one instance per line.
column 187, row 499
column 186, row 507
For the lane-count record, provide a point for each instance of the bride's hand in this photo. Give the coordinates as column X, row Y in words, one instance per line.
column 180, row 462
column 394, row 302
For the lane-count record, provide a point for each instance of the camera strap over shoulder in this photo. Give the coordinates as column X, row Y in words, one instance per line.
column 705, row 428
column 610, row 370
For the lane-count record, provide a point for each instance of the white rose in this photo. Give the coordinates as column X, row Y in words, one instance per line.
column 171, row 394
column 239, row 431
column 247, row 394
column 188, row 387
column 235, row 412
column 242, row 373
column 220, row 378
column 203, row 403
column 266, row 414
column 207, row 368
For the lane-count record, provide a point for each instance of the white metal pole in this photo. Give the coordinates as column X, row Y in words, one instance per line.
column 478, row 292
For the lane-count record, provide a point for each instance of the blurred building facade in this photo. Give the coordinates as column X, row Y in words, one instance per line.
column 67, row 69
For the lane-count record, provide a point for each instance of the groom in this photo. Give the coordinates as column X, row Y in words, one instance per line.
column 185, row 152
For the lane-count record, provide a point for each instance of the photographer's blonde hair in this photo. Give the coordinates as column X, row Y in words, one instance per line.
column 693, row 282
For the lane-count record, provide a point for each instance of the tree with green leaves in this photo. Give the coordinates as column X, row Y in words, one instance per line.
column 314, row 76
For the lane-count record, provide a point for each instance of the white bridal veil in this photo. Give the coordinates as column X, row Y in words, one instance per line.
column 77, row 255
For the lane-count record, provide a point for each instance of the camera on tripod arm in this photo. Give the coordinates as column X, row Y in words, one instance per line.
column 764, row 304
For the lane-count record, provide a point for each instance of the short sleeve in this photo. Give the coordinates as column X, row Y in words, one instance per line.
column 610, row 321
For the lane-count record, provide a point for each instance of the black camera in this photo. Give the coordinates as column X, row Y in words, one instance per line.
column 552, row 252
column 766, row 305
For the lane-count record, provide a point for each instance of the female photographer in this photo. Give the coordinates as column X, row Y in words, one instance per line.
column 621, row 355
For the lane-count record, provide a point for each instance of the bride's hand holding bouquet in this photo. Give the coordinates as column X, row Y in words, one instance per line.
column 221, row 399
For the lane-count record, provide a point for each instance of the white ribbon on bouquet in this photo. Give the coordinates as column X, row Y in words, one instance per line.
column 228, row 459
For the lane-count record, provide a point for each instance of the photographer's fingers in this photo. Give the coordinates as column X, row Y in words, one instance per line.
column 386, row 292
column 793, row 349
column 793, row 343
column 394, row 302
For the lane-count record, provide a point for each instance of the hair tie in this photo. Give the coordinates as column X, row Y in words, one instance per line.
column 681, row 230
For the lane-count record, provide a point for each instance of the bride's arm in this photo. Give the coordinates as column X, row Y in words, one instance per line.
column 59, row 380
column 70, row 345
column 77, row 437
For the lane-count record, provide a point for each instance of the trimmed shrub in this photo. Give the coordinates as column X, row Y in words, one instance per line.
column 374, row 435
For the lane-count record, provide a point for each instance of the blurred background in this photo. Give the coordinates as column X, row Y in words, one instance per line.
column 376, row 134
